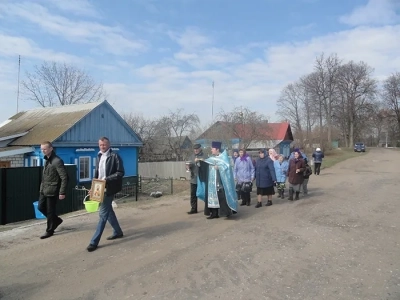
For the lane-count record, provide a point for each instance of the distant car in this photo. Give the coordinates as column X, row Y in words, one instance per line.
column 359, row 147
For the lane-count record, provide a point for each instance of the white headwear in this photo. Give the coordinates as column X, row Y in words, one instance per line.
column 318, row 149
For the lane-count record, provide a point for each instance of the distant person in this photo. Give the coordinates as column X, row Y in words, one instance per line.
column 281, row 166
column 265, row 178
column 235, row 155
column 243, row 173
column 318, row 156
column 295, row 173
column 306, row 176
column 194, row 171
column 53, row 188
column 109, row 167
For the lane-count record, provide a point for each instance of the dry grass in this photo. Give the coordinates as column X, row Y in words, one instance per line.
column 335, row 156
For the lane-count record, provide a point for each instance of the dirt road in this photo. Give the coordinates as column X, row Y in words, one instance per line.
column 340, row 242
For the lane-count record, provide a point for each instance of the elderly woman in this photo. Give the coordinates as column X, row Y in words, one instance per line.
column 243, row 173
column 281, row 169
column 265, row 178
column 272, row 154
column 295, row 172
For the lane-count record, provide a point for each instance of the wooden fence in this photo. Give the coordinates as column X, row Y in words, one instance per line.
column 165, row 169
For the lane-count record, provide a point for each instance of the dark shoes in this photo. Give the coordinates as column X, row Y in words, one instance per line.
column 259, row 204
column 46, row 235
column 117, row 236
column 59, row 221
column 192, row 212
column 212, row 217
column 91, row 248
column 269, row 203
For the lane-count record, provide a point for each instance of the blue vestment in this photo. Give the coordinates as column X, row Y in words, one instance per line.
column 226, row 175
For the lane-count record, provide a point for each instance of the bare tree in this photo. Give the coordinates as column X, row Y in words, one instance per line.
column 249, row 127
column 174, row 127
column 391, row 95
column 357, row 90
column 323, row 88
column 291, row 106
column 147, row 131
column 53, row 84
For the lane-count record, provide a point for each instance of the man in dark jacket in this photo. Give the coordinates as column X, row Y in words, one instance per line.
column 109, row 167
column 194, row 170
column 53, row 188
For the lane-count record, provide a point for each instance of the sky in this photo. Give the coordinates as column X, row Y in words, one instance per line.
column 156, row 56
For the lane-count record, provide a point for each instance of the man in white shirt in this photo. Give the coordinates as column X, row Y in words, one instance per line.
column 111, row 169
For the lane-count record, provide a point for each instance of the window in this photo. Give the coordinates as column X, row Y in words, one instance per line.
column 84, row 168
column 35, row 162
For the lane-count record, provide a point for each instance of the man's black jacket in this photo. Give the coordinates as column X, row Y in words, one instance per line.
column 114, row 173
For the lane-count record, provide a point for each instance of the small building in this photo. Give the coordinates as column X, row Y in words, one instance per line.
column 74, row 131
column 267, row 135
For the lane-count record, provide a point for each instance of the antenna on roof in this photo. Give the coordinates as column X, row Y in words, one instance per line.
column 19, row 69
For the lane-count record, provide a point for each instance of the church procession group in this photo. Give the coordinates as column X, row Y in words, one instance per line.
column 220, row 181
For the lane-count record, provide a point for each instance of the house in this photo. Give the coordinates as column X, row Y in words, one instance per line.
column 162, row 148
column 268, row 135
column 74, row 131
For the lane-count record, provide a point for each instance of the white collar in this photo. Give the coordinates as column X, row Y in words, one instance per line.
column 107, row 153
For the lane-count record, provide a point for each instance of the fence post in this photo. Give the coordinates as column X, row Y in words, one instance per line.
column 172, row 185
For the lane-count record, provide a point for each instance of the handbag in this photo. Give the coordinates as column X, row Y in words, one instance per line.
column 247, row 187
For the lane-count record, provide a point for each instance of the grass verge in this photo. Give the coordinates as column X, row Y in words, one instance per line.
column 335, row 156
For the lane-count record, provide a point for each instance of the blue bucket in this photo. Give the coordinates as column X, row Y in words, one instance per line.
column 38, row 214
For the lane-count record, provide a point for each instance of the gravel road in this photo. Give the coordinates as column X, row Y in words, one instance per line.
column 339, row 242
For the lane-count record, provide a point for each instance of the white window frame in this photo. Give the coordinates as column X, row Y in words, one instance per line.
column 88, row 168
column 35, row 159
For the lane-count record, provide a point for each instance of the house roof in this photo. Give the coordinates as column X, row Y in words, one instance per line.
column 43, row 123
column 270, row 131
column 11, row 151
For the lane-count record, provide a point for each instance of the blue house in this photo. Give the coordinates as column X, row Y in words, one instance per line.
column 74, row 131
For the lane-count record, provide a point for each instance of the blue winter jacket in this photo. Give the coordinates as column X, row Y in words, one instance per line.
column 281, row 170
column 244, row 170
column 265, row 172
column 318, row 156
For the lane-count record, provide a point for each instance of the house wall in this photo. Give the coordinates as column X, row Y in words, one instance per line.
column 16, row 160
column 72, row 155
column 101, row 121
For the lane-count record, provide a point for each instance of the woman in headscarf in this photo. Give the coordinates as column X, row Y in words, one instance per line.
column 295, row 173
column 272, row 154
column 265, row 178
column 281, row 168
column 244, row 175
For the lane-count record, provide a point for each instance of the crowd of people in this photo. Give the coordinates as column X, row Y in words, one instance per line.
column 221, row 181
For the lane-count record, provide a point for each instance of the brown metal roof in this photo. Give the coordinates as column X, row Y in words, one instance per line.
column 44, row 124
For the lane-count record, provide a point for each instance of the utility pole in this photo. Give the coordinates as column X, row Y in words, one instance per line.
column 19, row 69
column 212, row 103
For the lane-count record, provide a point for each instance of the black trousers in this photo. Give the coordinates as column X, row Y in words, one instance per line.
column 317, row 168
column 193, row 197
column 223, row 205
column 48, row 207
column 245, row 197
